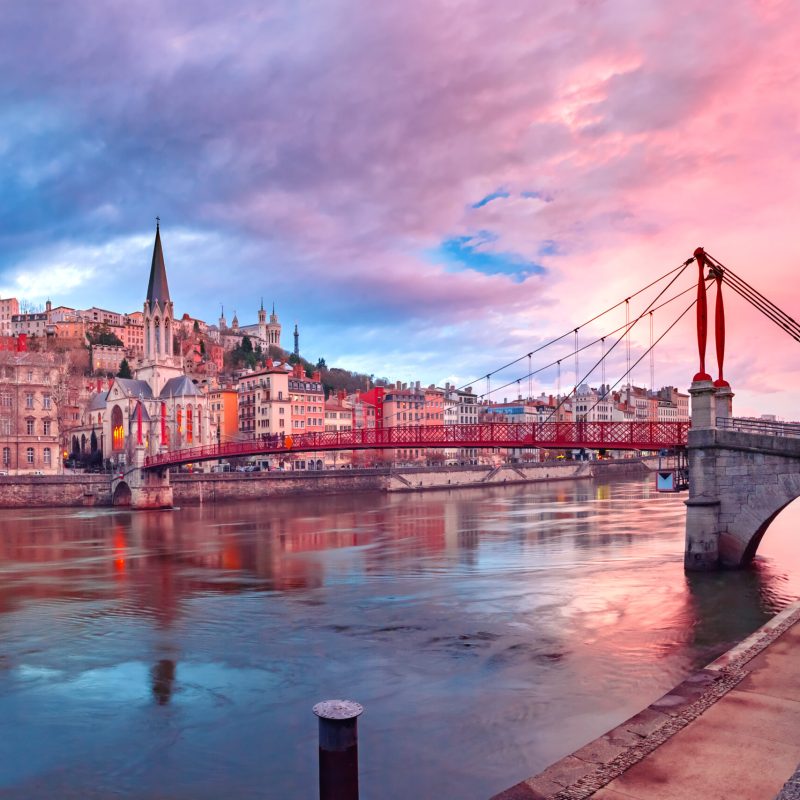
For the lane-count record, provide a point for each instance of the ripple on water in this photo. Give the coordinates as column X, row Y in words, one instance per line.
column 505, row 627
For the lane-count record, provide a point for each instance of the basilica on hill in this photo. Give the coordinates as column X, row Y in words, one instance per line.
column 262, row 333
column 160, row 407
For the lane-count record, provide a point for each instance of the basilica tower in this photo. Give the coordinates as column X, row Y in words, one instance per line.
column 274, row 329
column 262, row 323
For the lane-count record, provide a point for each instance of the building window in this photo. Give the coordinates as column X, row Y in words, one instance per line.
column 29, row 455
column 46, row 401
column 6, row 456
column 28, row 399
column 29, row 427
column 47, row 425
column 47, row 456
column 117, row 429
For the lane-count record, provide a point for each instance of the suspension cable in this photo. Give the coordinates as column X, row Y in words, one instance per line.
column 530, row 379
column 633, row 324
column 652, row 357
column 674, row 323
column 627, row 336
column 603, row 361
column 757, row 300
column 586, row 346
column 588, row 321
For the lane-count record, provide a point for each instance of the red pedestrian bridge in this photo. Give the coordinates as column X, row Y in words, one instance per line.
column 487, row 435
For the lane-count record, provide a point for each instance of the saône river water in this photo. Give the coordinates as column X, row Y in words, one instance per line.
column 177, row 654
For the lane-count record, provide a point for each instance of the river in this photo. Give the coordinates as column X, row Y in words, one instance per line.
column 487, row 632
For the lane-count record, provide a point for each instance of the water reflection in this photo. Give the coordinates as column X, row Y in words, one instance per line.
column 504, row 626
column 163, row 678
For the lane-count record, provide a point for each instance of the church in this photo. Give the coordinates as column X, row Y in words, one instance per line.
column 262, row 334
column 159, row 408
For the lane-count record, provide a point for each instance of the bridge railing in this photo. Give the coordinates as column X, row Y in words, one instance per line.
column 759, row 426
column 513, row 435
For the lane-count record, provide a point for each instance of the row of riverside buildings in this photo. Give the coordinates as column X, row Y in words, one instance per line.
column 178, row 395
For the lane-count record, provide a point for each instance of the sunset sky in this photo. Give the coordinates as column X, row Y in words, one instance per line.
column 429, row 188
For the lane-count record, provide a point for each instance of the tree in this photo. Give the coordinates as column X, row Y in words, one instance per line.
column 64, row 389
column 196, row 327
column 124, row 369
column 247, row 345
column 202, row 347
column 102, row 335
column 321, row 363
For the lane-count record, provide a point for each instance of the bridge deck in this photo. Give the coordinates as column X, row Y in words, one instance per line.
column 513, row 435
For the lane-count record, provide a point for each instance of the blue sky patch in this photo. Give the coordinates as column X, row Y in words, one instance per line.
column 473, row 252
column 531, row 195
column 499, row 194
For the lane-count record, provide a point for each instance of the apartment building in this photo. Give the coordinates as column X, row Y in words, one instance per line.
column 9, row 307
column 29, row 435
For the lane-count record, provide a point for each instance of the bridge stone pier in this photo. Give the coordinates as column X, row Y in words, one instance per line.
column 139, row 488
column 742, row 473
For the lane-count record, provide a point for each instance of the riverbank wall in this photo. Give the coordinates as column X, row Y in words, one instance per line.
column 37, row 491
column 44, row 491
column 739, row 711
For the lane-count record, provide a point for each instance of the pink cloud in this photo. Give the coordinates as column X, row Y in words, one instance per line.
column 349, row 140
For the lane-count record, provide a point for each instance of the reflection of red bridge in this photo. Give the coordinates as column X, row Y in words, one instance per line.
column 553, row 435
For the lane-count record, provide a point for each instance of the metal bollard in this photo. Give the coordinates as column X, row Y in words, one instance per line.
column 338, row 749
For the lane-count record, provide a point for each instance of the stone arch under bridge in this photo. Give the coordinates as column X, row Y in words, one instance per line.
column 139, row 488
column 121, row 495
column 742, row 475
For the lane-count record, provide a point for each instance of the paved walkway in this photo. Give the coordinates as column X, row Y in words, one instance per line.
column 791, row 789
column 731, row 730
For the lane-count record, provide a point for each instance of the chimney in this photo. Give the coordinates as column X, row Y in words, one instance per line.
column 99, row 386
column 316, row 376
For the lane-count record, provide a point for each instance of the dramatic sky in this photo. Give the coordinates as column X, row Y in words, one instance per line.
column 429, row 187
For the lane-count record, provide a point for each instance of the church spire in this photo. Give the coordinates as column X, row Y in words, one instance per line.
column 157, row 288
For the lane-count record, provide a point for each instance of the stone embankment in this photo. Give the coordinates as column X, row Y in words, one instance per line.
column 42, row 491
column 29, row 491
column 731, row 730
